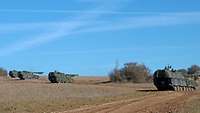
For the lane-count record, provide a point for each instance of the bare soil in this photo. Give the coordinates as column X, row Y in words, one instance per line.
column 165, row 102
column 92, row 95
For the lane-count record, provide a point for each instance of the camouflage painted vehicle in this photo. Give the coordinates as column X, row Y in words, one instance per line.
column 13, row 74
column 59, row 77
column 22, row 75
column 170, row 79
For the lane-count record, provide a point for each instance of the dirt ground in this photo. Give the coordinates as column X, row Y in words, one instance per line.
column 92, row 95
column 166, row 102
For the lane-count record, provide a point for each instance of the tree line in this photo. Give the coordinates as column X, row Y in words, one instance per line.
column 140, row 73
column 132, row 72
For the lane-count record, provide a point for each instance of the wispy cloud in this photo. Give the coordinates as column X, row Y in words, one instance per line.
column 61, row 11
column 135, row 22
column 46, row 26
column 38, row 40
column 95, row 11
column 146, row 19
column 137, row 49
column 72, row 28
column 84, row 23
column 63, row 30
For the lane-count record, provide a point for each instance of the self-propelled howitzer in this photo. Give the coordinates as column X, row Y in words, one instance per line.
column 22, row 75
column 170, row 79
column 59, row 77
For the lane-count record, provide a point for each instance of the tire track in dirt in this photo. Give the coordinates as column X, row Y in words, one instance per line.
column 105, row 106
column 145, row 104
column 176, row 105
column 149, row 105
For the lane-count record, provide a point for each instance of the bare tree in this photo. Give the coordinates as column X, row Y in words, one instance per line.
column 193, row 69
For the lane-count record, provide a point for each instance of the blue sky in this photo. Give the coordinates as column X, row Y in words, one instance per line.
column 88, row 36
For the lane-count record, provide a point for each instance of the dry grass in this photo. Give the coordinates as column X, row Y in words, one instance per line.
column 39, row 96
column 90, row 80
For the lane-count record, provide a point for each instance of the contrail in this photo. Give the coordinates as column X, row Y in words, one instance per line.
column 137, row 22
column 72, row 28
column 49, row 25
column 47, row 37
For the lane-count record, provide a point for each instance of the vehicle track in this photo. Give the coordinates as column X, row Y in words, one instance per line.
column 160, row 102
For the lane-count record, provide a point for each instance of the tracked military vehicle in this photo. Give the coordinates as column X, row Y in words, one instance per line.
column 59, row 77
column 22, row 75
column 170, row 79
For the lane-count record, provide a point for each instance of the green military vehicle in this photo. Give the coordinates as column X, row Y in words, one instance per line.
column 22, row 75
column 170, row 79
column 59, row 77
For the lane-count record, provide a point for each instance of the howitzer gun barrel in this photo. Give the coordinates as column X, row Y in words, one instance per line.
column 38, row 73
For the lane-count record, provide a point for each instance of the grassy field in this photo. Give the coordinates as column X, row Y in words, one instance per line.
column 38, row 96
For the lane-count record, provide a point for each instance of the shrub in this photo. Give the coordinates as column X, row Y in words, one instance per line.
column 3, row 72
column 131, row 72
